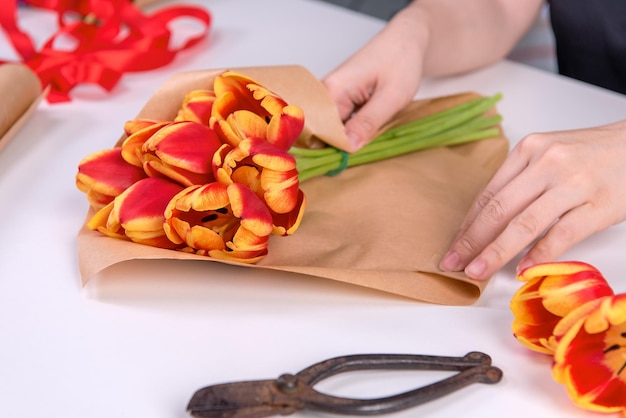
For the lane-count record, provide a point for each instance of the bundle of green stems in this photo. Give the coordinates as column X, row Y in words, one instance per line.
column 466, row 122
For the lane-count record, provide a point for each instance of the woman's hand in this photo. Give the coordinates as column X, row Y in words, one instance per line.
column 427, row 37
column 557, row 188
column 379, row 80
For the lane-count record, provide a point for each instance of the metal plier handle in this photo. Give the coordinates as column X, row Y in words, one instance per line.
column 290, row 393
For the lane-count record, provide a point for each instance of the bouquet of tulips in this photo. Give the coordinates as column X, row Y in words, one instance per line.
column 224, row 175
column 569, row 311
column 217, row 180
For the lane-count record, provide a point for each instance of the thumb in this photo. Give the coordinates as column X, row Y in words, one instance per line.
column 364, row 124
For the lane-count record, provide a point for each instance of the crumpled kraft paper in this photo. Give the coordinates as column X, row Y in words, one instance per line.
column 21, row 92
column 384, row 225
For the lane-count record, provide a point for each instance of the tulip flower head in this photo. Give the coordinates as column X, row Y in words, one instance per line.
column 104, row 175
column 590, row 358
column 197, row 106
column 245, row 109
column 568, row 310
column 182, row 152
column 228, row 222
column 551, row 291
column 137, row 214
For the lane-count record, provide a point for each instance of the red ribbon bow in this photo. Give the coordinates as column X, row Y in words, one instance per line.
column 112, row 37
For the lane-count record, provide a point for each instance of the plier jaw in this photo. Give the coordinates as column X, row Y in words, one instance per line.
column 290, row 393
column 248, row 399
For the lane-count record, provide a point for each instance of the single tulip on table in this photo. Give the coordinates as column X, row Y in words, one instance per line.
column 590, row 357
column 568, row 310
column 549, row 293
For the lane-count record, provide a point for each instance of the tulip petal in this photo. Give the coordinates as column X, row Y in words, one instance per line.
column 285, row 128
column 554, row 269
column 132, row 145
column 288, row 223
column 274, row 178
column 551, row 292
column 252, row 111
column 247, row 124
column 250, row 209
column 228, row 222
column 272, row 103
column 230, row 82
column 561, row 294
column 282, row 190
column 197, row 107
column 590, row 357
column 104, row 175
column 136, row 125
column 182, row 152
column 138, row 213
column 534, row 337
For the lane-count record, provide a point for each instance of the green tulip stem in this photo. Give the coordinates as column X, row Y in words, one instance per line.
column 457, row 125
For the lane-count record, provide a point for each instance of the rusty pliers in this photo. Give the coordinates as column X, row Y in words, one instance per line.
column 290, row 393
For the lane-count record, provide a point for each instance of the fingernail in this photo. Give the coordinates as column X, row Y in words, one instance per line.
column 450, row 261
column 525, row 262
column 354, row 141
column 476, row 269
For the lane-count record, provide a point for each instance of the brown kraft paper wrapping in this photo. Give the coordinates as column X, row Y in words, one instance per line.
column 384, row 225
column 21, row 92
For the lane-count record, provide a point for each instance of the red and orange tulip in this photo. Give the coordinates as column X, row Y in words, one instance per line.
column 567, row 309
column 590, row 358
column 104, row 175
column 551, row 291
column 137, row 214
column 228, row 222
column 197, row 106
column 136, row 125
column 182, row 152
column 139, row 131
column 269, row 172
column 245, row 109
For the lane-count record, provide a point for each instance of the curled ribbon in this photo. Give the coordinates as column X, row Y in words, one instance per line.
column 111, row 37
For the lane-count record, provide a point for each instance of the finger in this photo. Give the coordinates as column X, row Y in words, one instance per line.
column 573, row 227
column 521, row 231
column 378, row 110
column 516, row 162
column 336, row 89
column 491, row 214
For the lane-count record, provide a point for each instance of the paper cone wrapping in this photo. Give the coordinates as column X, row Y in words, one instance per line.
column 384, row 225
column 21, row 92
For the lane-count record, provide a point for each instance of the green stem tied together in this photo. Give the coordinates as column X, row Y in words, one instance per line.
column 457, row 125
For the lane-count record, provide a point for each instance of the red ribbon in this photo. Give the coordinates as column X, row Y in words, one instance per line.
column 112, row 37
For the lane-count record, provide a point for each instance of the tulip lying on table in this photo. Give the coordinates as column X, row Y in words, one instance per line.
column 568, row 310
column 224, row 175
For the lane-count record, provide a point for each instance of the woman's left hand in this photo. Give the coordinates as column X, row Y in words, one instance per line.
column 557, row 188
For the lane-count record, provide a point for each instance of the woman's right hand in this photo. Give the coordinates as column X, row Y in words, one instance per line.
column 379, row 80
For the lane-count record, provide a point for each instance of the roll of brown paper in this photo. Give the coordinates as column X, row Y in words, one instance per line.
column 21, row 90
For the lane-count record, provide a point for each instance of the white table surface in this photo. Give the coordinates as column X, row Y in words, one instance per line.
column 139, row 339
